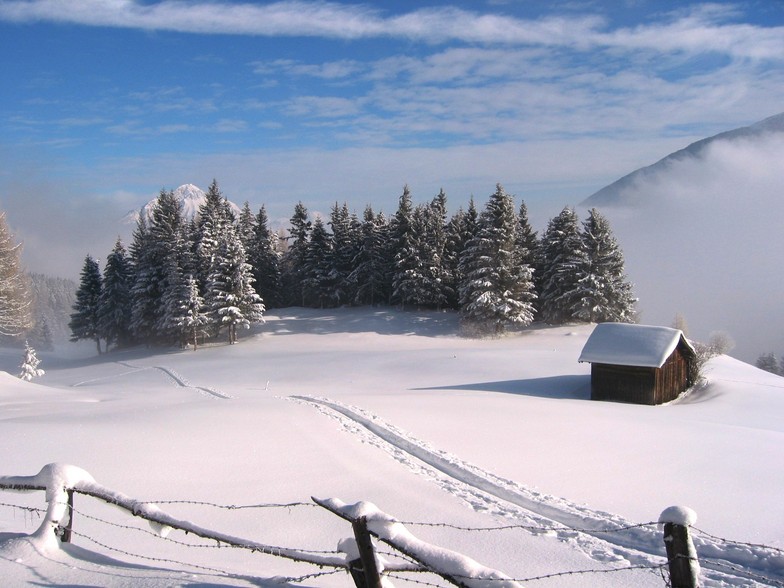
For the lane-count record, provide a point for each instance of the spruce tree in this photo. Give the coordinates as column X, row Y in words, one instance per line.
column 423, row 277
column 344, row 249
column 496, row 290
column 561, row 257
column 264, row 258
column 186, row 315
column 84, row 319
column 114, row 305
column 526, row 240
column 405, row 255
column 293, row 262
column 320, row 278
column 768, row 362
column 605, row 293
column 460, row 229
column 246, row 226
column 215, row 217
column 230, row 297
column 15, row 296
column 145, row 288
column 370, row 265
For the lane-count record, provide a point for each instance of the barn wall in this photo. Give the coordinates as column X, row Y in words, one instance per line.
column 623, row 383
column 673, row 377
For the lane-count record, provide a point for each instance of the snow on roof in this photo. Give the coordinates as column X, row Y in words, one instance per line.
column 631, row 345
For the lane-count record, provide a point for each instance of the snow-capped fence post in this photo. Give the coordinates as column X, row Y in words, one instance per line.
column 369, row 578
column 681, row 554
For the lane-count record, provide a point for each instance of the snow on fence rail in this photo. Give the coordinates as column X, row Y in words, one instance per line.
column 359, row 556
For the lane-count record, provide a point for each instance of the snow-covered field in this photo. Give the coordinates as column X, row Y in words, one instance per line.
column 395, row 409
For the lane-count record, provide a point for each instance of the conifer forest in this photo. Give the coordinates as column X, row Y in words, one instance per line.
column 185, row 280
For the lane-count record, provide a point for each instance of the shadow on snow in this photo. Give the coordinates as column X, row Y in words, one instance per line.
column 575, row 387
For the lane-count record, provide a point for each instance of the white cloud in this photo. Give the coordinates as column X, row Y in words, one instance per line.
column 698, row 31
column 230, row 125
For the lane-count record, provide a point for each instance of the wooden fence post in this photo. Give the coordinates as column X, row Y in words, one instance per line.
column 367, row 556
column 681, row 555
column 65, row 532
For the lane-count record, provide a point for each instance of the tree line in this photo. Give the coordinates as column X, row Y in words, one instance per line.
column 183, row 280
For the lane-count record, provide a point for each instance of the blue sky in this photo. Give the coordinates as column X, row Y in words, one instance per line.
column 103, row 102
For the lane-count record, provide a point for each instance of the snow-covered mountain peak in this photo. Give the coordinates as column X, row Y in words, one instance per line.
column 191, row 197
column 189, row 192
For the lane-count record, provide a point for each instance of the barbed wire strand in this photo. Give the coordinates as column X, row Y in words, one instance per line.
column 272, row 548
column 732, row 541
column 197, row 566
column 528, row 527
column 230, row 506
column 743, row 572
column 316, row 575
column 149, row 558
column 397, row 576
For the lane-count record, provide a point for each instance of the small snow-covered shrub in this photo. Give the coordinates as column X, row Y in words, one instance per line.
column 29, row 368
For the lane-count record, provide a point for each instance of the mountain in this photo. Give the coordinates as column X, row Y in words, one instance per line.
column 191, row 196
column 701, row 235
column 623, row 190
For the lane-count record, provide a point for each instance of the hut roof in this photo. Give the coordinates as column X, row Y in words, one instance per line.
column 631, row 345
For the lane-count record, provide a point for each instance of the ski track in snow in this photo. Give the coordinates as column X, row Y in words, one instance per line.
column 557, row 517
column 174, row 376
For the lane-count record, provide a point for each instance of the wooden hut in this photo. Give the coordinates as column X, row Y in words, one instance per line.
column 638, row 363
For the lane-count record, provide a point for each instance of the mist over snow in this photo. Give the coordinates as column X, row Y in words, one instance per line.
column 702, row 236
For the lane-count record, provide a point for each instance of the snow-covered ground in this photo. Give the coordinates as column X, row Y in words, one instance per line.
column 395, row 409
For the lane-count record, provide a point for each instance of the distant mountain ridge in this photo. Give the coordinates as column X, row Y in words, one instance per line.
column 191, row 197
column 615, row 193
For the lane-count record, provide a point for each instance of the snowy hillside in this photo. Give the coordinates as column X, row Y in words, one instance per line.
column 192, row 197
column 701, row 232
column 626, row 190
column 395, row 409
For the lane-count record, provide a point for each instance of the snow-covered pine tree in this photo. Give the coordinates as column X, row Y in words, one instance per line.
column 496, row 290
column 29, row 368
column 42, row 334
column 145, row 286
column 320, row 283
column 264, row 258
column 432, row 244
column 561, row 255
column 345, row 243
column 293, row 260
column 186, row 316
column 370, row 265
column 424, row 275
column 84, row 319
column 460, row 229
column 15, row 296
column 230, row 297
column 605, row 292
column 405, row 257
column 214, row 219
column 246, row 226
column 526, row 240
column 768, row 362
column 114, row 304
column 166, row 251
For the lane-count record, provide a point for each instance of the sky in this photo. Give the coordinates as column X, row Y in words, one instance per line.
column 105, row 102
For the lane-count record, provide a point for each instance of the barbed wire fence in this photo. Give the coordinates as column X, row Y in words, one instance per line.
column 400, row 563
